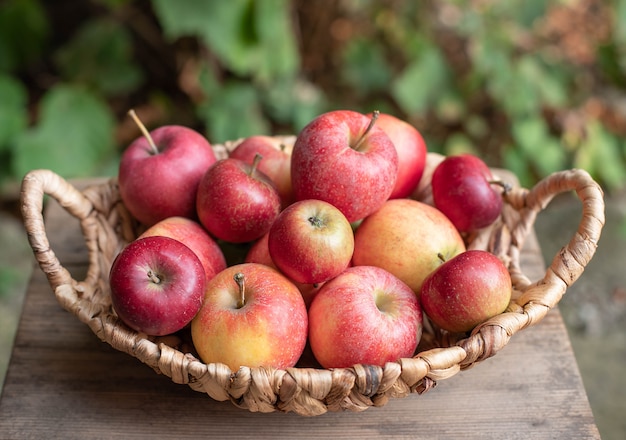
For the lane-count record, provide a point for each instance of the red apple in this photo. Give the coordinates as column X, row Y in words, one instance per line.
column 463, row 189
column 364, row 316
column 424, row 192
column 344, row 158
column 236, row 202
column 252, row 316
column 406, row 237
column 259, row 253
column 159, row 172
column 411, row 150
column 192, row 234
column 311, row 241
column 466, row 291
column 157, row 285
column 276, row 163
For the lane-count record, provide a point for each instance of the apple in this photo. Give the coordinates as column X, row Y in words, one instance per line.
column 406, row 237
column 466, row 291
column 276, row 163
column 364, row 316
column 463, row 189
column 311, row 241
column 157, row 285
column 192, row 234
column 259, row 253
column 159, row 172
column 344, row 158
column 236, row 202
column 424, row 191
column 252, row 316
column 411, row 150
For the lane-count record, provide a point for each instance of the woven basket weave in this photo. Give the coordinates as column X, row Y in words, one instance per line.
column 308, row 390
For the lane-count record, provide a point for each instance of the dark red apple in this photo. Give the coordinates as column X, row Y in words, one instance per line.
column 236, row 202
column 159, row 172
column 466, row 291
column 463, row 189
column 345, row 159
column 157, row 285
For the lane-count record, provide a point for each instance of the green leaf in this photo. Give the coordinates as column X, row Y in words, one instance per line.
column 233, row 112
column 100, row 55
column 293, row 102
column 13, row 110
column 23, row 32
column 600, row 155
column 364, row 66
column 249, row 38
column 75, row 132
column 418, row 85
column 537, row 146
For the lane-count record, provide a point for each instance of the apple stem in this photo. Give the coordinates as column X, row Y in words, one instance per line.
column 255, row 164
column 144, row 131
column 441, row 257
column 375, row 115
column 154, row 277
column 241, row 282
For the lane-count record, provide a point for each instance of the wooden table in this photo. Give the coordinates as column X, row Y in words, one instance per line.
column 62, row 382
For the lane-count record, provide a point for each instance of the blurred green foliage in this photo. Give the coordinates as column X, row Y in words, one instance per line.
column 534, row 86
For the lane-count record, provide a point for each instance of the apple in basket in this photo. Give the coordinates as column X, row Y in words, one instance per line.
column 191, row 233
column 411, row 150
column 344, row 158
column 364, row 316
column 463, row 189
column 236, row 202
column 276, row 163
column 157, row 285
column 311, row 241
column 259, row 253
column 252, row 316
column 159, row 172
column 466, row 291
column 406, row 237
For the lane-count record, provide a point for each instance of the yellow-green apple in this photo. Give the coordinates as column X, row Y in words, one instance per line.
column 466, row 291
column 236, row 202
column 157, row 285
column 311, row 241
column 276, row 163
column 159, row 172
column 465, row 191
column 259, row 253
column 191, row 233
column 411, row 150
column 406, row 237
column 252, row 316
column 344, row 158
column 364, row 316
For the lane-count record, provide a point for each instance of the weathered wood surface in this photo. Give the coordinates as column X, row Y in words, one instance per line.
column 64, row 383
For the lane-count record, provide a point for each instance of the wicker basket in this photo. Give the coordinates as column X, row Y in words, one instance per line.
column 306, row 389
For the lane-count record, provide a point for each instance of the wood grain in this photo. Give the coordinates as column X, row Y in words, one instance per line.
column 64, row 383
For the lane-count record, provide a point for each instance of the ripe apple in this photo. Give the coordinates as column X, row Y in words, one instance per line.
column 466, row 291
column 276, row 163
column 311, row 241
column 192, row 234
column 463, row 190
column 259, row 252
column 236, row 202
column 159, row 172
column 424, row 191
column 252, row 316
column 411, row 150
column 364, row 316
column 406, row 237
column 344, row 158
column 157, row 285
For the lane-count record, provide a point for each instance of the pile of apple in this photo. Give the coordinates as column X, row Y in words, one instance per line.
column 337, row 250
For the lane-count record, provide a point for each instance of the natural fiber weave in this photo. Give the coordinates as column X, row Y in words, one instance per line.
column 309, row 390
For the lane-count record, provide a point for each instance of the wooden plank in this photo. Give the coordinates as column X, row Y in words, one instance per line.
column 64, row 383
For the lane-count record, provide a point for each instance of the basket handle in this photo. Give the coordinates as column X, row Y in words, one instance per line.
column 35, row 185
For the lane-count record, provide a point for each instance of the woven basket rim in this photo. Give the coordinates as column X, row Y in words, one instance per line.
column 107, row 226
